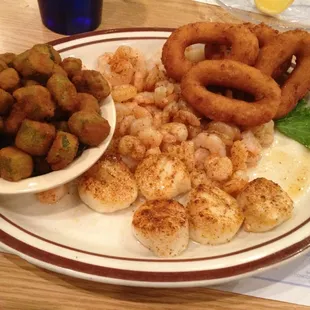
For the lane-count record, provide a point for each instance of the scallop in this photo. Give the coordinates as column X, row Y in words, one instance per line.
column 108, row 186
column 265, row 205
column 162, row 176
column 53, row 195
column 214, row 216
column 162, row 226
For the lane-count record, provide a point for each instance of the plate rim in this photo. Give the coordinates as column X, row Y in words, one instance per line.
column 139, row 278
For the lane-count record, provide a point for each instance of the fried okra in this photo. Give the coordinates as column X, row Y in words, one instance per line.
column 8, row 58
column 35, row 138
column 3, row 65
column 9, row 79
column 34, row 65
column 49, row 51
column 36, row 102
column 88, row 102
column 15, row 164
column 6, row 102
column 92, row 82
column 14, row 120
column 63, row 150
column 63, row 91
column 58, row 69
column 89, row 127
column 71, row 65
column 30, row 82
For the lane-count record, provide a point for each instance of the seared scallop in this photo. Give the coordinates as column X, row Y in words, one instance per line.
column 108, row 186
column 214, row 216
column 265, row 205
column 162, row 176
column 162, row 227
column 53, row 195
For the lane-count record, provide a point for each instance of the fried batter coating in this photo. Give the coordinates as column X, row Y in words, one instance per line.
column 58, row 69
column 3, row 65
column 35, row 101
column 35, row 65
column 29, row 82
column 35, row 138
column 8, row 58
column 88, row 102
column 71, row 65
column 9, row 79
column 15, row 164
column 89, row 127
column 63, row 150
column 63, row 92
column 92, row 82
column 6, row 102
column 48, row 50
column 14, row 120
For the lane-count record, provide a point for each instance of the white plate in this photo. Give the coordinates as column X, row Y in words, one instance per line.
column 79, row 165
column 69, row 238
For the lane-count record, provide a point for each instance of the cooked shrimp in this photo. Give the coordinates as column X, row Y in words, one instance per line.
column 122, row 110
column 125, row 124
column 253, row 147
column 160, row 94
column 227, row 132
column 170, row 111
column 187, row 118
column 125, row 92
column 239, row 155
column 176, row 130
column 153, row 151
column 132, row 147
column 140, row 73
column 158, row 119
column 237, row 183
column 162, row 177
column 214, row 216
column 264, row 133
column 120, row 73
column 265, row 205
column 184, row 152
column 193, row 131
column 152, row 109
column 150, row 137
column 108, row 186
column 162, row 226
column 145, row 98
column 140, row 124
column 53, row 195
column 125, row 52
column 210, row 142
column 218, row 168
column 140, row 112
column 155, row 75
column 170, row 87
column 201, row 155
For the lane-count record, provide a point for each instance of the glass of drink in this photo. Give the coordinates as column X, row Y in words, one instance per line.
column 71, row 16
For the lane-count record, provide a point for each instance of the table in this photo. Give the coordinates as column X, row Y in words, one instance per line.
column 23, row 286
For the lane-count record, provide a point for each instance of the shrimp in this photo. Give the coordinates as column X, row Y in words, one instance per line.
column 227, row 132
column 132, row 147
column 264, row 133
column 193, row 131
column 218, row 168
column 150, row 137
column 160, row 94
column 169, row 111
column 239, row 155
column 140, row 124
column 121, row 73
column 201, row 155
column 155, row 75
column 253, row 147
column 176, row 130
column 122, row 110
column 153, row 151
column 210, row 142
column 152, row 109
column 237, row 183
column 140, row 73
column 140, row 112
column 121, row 93
column 125, row 124
column 145, row 98
column 187, row 118
column 125, row 52
column 170, row 87
column 158, row 119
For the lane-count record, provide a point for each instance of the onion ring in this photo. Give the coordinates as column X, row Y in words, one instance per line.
column 244, row 45
column 229, row 73
column 271, row 56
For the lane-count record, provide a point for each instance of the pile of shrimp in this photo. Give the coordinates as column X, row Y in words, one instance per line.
column 153, row 118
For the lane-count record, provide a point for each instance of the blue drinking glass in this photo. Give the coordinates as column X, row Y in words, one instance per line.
column 71, row 16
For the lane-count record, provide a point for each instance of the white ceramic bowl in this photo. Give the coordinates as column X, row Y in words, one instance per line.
column 76, row 168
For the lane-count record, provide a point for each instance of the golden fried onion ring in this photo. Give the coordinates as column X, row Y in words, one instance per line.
column 229, row 73
column 244, row 45
column 273, row 55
